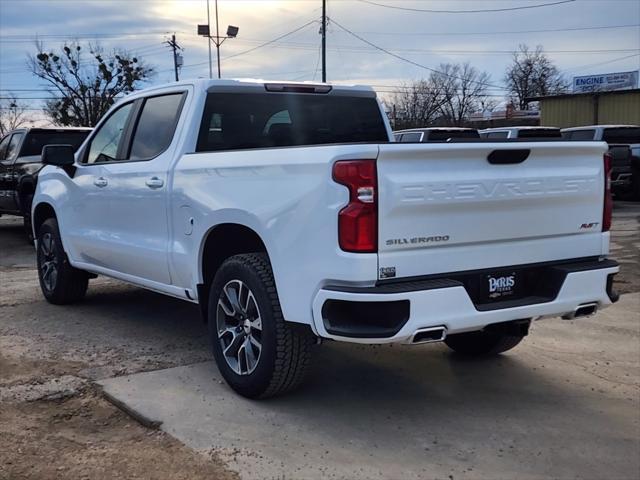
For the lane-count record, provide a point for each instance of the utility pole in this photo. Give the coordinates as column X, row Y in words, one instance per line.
column 176, row 56
column 209, row 23
column 324, row 41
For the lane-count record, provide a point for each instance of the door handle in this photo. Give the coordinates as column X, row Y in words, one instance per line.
column 155, row 182
column 100, row 182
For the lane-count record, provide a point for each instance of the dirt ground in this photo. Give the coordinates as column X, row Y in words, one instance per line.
column 54, row 422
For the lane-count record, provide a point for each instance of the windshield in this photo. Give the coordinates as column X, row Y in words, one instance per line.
column 263, row 120
column 625, row 135
column 37, row 139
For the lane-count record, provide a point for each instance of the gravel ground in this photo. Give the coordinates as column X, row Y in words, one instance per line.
column 53, row 420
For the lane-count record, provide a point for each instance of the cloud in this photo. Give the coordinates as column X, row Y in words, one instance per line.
column 430, row 39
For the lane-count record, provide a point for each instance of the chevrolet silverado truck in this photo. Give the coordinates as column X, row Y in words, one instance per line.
column 624, row 147
column 20, row 151
column 287, row 212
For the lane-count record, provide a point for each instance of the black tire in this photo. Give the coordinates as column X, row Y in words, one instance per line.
column 60, row 283
column 482, row 343
column 285, row 349
column 635, row 184
column 26, row 222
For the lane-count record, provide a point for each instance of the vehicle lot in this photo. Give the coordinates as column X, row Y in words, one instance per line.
column 563, row 404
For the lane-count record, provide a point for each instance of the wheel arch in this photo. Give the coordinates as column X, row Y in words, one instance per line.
column 41, row 213
column 221, row 242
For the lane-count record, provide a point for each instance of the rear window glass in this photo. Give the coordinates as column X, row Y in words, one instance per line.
column 540, row 133
column 497, row 134
column 622, row 135
column 35, row 141
column 579, row 135
column 262, row 120
column 411, row 137
column 442, row 135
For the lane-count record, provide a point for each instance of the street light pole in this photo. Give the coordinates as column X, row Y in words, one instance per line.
column 205, row 31
column 218, row 43
column 324, row 41
column 209, row 38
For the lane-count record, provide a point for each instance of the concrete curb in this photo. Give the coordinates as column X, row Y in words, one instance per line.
column 132, row 412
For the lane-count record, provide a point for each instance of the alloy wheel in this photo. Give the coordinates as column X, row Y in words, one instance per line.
column 48, row 261
column 239, row 327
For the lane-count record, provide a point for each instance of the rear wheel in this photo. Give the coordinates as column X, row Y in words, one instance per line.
column 59, row 281
column 482, row 343
column 257, row 352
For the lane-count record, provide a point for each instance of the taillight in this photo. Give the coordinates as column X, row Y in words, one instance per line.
column 358, row 221
column 607, row 211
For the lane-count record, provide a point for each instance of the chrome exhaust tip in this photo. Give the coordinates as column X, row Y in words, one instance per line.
column 429, row 335
column 584, row 310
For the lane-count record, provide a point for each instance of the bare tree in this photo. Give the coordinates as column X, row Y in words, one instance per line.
column 13, row 114
column 532, row 74
column 86, row 86
column 464, row 91
column 416, row 105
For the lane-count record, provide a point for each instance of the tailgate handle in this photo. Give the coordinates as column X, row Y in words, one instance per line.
column 506, row 157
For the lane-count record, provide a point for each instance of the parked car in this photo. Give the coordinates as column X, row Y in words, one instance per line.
column 434, row 134
column 289, row 216
column 530, row 133
column 20, row 163
column 624, row 145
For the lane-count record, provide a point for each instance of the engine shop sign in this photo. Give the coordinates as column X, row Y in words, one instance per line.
column 604, row 82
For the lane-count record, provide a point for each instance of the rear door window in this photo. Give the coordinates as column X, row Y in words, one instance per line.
column 264, row 120
column 156, row 126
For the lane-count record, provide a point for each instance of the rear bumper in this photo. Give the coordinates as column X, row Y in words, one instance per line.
column 393, row 313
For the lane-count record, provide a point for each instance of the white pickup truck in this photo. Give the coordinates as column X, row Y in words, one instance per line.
column 288, row 213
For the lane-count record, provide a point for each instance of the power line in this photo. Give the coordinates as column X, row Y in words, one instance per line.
column 271, row 41
column 584, row 67
column 384, row 50
column 264, row 44
column 508, row 9
column 513, row 32
column 355, row 48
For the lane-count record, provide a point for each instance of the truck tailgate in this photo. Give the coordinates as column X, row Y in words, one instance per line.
column 447, row 207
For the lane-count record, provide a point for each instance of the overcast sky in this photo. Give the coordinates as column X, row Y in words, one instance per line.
column 573, row 37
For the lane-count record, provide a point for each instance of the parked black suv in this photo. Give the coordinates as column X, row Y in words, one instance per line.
column 20, row 152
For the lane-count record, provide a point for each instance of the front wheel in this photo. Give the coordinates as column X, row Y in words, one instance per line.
column 59, row 281
column 482, row 343
column 28, row 231
column 258, row 353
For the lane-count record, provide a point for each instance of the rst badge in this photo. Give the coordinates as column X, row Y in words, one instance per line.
column 501, row 286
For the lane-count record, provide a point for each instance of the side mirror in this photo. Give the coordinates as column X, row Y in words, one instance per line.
column 58, row 155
